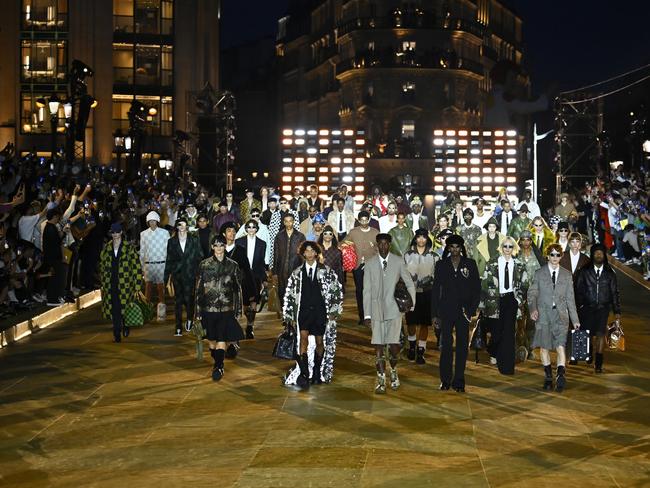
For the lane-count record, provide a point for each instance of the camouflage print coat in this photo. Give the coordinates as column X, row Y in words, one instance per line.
column 129, row 275
column 490, row 295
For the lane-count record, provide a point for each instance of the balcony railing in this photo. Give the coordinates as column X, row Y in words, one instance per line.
column 42, row 20
column 41, row 74
column 409, row 59
column 411, row 22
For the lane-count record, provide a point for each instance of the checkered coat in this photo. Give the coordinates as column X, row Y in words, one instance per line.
column 129, row 273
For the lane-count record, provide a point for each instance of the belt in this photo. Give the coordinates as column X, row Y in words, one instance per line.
column 154, row 262
column 506, row 294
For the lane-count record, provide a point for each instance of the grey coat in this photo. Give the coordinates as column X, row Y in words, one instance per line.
column 379, row 287
column 542, row 295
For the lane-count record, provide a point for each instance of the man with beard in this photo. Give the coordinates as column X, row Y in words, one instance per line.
column 255, row 249
column 416, row 220
column 533, row 208
column 388, row 221
column 285, row 253
column 183, row 257
column 277, row 222
column 596, row 293
column 363, row 237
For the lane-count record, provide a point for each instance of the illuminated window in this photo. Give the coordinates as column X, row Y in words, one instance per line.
column 408, row 129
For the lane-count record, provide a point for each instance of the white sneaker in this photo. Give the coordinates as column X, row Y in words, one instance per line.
column 38, row 298
column 380, row 387
column 75, row 291
column 493, row 360
column 394, row 379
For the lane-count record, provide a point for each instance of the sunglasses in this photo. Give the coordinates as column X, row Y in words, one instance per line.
column 539, row 225
column 251, row 227
column 255, row 215
column 328, row 233
column 555, row 254
column 563, row 230
column 508, row 246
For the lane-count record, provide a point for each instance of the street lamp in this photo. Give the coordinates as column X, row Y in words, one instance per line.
column 53, row 104
column 120, row 146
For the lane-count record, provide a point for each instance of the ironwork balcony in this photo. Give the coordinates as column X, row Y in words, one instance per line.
column 409, row 59
column 411, row 22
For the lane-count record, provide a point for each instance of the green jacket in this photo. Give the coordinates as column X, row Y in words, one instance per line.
column 182, row 266
column 401, row 240
column 490, row 295
column 129, row 276
column 517, row 226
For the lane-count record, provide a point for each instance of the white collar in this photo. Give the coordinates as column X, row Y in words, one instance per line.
column 599, row 268
column 556, row 270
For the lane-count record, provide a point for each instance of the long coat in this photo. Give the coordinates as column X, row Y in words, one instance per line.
column 490, row 295
column 542, row 295
column 379, row 287
column 245, row 209
column 332, row 292
column 129, row 275
column 183, row 266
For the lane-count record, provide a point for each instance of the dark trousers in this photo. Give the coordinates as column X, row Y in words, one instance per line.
column 594, row 320
column 116, row 310
column 502, row 345
column 357, row 274
column 446, row 350
column 56, row 282
column 186, row 301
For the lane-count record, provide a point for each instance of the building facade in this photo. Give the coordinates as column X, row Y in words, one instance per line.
column 397, row 70
column 154, row 51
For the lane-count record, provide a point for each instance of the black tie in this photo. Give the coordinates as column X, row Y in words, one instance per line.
column 597, row 274
column 507, row 220
column 340, row 222
column 385, row 264
column 311, row 274
column 507, row 277
column 553, row 278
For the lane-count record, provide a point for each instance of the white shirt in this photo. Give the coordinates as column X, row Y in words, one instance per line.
column 506, row 220
column 250, row 249
column 481, row 220
column 574, row 260
column 598, row 270
column 116, row 249
column 385, row 224
column 415, row 226
column 311, row 269
column 502, row 275
column 182, row 242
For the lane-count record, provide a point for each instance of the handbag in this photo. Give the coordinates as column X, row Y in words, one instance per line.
column 67, row 255
column 403, row 297
column 348, row 256
column 133, row 315
column 285, row 345
column 616, row 336
column 273, row 304
column 170, row 287
column 148, row 310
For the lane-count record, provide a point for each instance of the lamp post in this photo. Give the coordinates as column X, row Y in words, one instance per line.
column 53, row 104
column 119, row 147
column 536, row 137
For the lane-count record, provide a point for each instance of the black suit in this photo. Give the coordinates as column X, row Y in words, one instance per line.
column 257, row 272
column 454, row 299
column 238, row 255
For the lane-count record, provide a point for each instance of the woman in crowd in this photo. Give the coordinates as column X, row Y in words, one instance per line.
column 562, row 235
column 332, row 256
column 421, row 263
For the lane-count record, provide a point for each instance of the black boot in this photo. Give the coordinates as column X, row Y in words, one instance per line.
column 548, row 377
column 249, row 332
column 232, row 350
column 303, row 379
column 598, row 367
column 411, row 351
column 315, row 374
column 217, row 370
column 420, row 358
column 560, row 379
